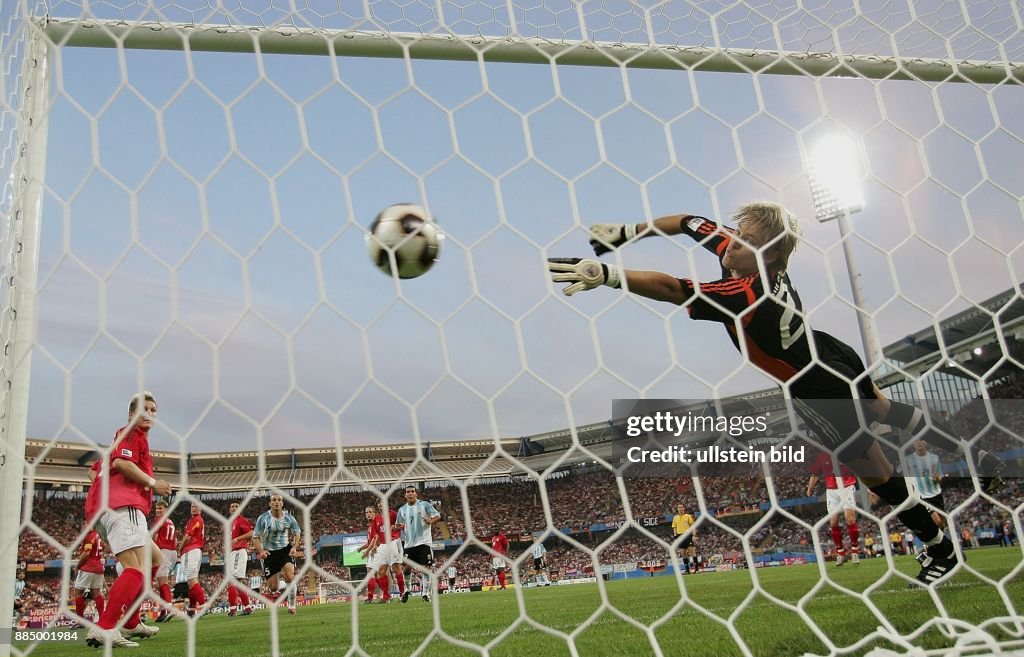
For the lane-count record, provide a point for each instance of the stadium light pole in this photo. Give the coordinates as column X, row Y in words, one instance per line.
column 833, row 173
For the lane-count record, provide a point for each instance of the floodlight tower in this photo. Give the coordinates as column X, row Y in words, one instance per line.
column 832, row 169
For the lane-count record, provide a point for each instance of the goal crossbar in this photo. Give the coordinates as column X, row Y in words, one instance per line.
column 296, row 41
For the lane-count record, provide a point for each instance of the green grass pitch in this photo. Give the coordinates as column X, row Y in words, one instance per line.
column 680, row 629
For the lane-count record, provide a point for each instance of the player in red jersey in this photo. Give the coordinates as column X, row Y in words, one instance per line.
column 238, row 563
column 120, row 498
column 394, row 554
column 499, row 543
column 165, row 536
column 90, row 574
column 373, row 565
column 191, row 550
column 838, row 499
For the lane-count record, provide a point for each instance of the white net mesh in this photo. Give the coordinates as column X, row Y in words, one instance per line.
column 199, row 218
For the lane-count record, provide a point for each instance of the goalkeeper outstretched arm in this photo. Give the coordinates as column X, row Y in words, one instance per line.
column 605, row 237
column 584, row 274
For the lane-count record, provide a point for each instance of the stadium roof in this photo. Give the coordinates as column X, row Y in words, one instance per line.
column 970, row 339
column 957, row 339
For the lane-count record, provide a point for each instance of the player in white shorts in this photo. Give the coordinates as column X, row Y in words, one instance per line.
column 90, row 574
column 839, row 499
column 165, row 536
column 238, row 562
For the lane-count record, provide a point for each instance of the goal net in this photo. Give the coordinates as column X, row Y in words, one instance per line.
column 187, row 188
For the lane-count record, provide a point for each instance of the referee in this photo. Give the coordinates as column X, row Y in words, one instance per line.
column 682, row 531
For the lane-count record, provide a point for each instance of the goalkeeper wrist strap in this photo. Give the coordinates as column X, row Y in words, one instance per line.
column 612, row 277
column 628, row 232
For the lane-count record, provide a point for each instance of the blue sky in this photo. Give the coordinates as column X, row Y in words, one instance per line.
column 203, row 223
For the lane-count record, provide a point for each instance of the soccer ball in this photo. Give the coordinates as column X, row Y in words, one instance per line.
column 406, row 232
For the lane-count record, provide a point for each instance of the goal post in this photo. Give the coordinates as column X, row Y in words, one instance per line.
column 294, row 41
column 228, row 209
column 25, row 119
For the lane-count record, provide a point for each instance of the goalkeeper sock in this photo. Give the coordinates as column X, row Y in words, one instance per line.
column 292, row 592
column 912, row 419
column 424, row 585
column 894, row 492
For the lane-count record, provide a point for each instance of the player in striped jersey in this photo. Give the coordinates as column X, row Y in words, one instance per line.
column 415, row 519
column 276, row 540
column 757, row 304
column 924, row 467
column 539, row 568
column 452, row 573
column 19, row 590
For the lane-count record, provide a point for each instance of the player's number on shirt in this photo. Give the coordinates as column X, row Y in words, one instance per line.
column 787, row 331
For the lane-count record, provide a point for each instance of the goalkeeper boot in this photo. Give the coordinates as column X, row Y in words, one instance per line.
column 935, row 568
column 854, row 558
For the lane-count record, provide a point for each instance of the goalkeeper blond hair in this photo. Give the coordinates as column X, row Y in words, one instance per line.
column 780, row 228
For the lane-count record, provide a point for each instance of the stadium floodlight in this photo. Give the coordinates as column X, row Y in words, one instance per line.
column 834, row 174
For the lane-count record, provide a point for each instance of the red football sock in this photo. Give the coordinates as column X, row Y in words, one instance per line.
column 837, row 538
column 165, row 592
column 382, row 583
column 232, row 597
column 152, row 573
column 123, row 594
column 244, row 597
column 196, row 596
column 400, row 581
column 80, row 605
column 98, row 601
column 132, row 620
column 501, row 578
column 370, row 588
column 854, row 532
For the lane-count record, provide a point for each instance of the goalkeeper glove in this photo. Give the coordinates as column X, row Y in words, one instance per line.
column 582, row 274
column 604, row 237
